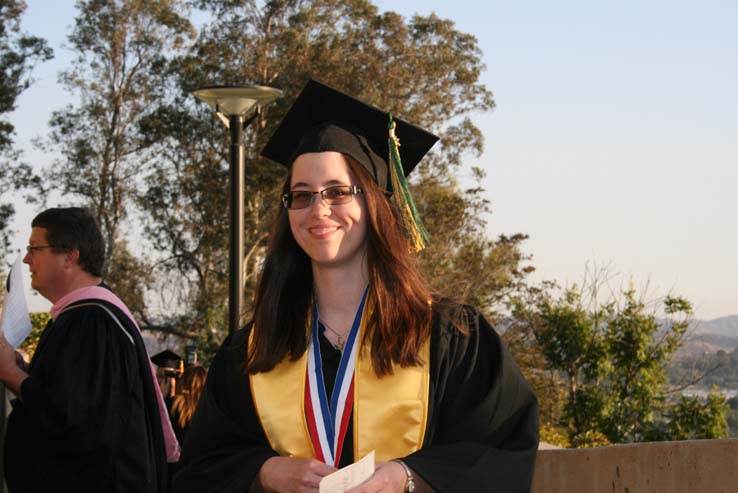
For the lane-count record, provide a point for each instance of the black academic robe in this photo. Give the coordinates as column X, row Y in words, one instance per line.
column 482, row 432
column 88, row 418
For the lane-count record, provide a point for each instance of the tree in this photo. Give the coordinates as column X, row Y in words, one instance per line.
column 732, row 418
column 422, row 70
column 639, row 350
column 460, row 259
column 612, row 356
column 693, row 419
column 128, row 277
column 548, row 383
column 18, row 54
column 571, row 342
column 122, row 48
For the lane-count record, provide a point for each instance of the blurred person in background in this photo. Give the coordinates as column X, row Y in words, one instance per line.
column 169, row 367
column 185, row 402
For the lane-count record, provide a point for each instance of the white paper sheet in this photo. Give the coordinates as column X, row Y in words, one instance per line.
column 16, row 323
column 346, row 478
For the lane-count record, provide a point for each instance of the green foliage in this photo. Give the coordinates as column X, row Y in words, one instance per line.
column 549, row 384
column 732, row 416
column 569, row 339
column 460, row 260
column 18, row 54
column 590, row 439
column 692, row 419
column 122, row 48
column 129, row 278
column 554, row 436
column 612, row 358
column 639, row 355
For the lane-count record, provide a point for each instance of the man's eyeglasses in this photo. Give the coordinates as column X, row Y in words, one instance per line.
column 30, row 250
column 301, row 199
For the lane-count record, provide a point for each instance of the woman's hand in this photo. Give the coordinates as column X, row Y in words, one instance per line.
column 388, row 477
column 289, row 475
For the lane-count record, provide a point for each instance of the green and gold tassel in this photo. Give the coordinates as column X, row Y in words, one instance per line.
column 417, row 235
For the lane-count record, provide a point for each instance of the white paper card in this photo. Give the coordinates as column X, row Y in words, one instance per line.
column 16, row 323
column 346, row 478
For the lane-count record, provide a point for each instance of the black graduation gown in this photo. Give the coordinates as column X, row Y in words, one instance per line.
column 88, row 419
column 482, row 432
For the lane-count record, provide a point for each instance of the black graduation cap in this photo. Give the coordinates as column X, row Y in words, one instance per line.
column 166, row 359
column 324, row 119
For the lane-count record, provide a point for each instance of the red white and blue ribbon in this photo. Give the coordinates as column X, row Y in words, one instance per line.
column 328, row 420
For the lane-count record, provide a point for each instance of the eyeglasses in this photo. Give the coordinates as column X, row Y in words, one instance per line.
column 30, row 250
column 301, row 199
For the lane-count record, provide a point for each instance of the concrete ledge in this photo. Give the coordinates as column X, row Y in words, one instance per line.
column 703, row 466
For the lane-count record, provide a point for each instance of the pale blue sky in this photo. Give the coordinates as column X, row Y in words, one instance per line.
column 614, row 140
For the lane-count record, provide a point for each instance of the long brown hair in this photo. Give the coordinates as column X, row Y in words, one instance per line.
column 185, row 402
column 401, row 318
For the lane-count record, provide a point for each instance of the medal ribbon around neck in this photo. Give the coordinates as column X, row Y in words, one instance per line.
column 328, row 423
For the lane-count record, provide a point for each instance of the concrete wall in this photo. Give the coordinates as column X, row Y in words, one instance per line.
column 699, row 466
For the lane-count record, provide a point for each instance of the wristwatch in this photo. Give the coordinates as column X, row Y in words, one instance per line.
column 410, row 484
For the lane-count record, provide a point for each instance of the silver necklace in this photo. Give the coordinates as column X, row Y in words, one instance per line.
column 340, row 342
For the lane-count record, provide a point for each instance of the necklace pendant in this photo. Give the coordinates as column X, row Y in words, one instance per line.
column 339, row 344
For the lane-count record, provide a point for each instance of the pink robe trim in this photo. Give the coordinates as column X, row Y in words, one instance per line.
column 100, row 293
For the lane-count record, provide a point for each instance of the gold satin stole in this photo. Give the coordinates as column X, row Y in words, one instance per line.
column 389, row 416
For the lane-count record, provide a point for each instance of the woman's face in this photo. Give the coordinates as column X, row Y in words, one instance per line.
column 331, row 235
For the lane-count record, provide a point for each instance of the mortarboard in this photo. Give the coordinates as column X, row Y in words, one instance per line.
column 166, row 359
column 324, row 119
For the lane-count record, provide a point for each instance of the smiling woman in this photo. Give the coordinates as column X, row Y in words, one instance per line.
column 349, row 351
column 333, row 231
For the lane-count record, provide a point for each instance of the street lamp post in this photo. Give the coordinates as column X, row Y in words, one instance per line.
column 236, row 106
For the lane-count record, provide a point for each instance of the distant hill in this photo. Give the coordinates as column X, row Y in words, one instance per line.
column 692, row 349
column 723, row 342
column 708, row 337
column 723, row 326
column 699, row 345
